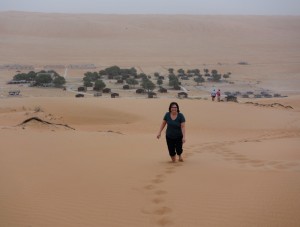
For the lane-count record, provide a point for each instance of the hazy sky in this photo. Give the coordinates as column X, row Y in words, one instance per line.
column 252, row 7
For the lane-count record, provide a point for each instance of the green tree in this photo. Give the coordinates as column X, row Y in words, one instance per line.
column 102, row 72
column 214, row 72
column 216, row 77
column 180, row 71
column 132, row 82
column 21, row 76
column 147, row 85
column 59, row 81
column 55, row 74
column 141, row 75
column 87, row 83
column 196, row 71
column 172, row 77
column 171, row 71
column 113, row 70
column 92, row 76
column 31, row 75
column 132, row 71
column 99, row 85
column 173, row 81
column 199, row 79
column 43, row 78
column 160, row 82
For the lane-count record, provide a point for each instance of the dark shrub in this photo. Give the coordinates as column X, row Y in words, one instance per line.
column 140, row 91
column 126, row 87
column 106, row 90
column 163, row 90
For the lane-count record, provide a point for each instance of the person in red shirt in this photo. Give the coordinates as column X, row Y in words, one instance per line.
column 218, row 95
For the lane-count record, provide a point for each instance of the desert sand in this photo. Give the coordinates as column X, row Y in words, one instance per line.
column 98, row 162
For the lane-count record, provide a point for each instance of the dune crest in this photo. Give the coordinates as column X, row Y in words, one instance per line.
column 35, row 121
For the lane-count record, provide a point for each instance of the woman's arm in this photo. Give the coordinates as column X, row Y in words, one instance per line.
column 163, row 124
column 183, row 132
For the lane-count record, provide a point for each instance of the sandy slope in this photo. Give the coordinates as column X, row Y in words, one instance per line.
column 241, row 165
column 147, row 40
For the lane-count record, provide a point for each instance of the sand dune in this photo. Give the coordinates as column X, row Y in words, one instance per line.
column 239, row 169
column 107, row 168
column 147, row 40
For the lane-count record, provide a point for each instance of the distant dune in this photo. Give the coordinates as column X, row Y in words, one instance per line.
column 147, row 40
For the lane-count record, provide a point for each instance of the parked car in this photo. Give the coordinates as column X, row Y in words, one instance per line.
column 79, row 95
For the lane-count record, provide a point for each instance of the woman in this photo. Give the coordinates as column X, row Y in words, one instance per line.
column 175, row 134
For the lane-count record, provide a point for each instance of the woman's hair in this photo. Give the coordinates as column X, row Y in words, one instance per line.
column 172, row 104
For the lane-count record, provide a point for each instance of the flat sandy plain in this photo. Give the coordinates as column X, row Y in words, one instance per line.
column 99, row 163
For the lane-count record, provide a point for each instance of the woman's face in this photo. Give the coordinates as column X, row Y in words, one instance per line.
column 173, row 109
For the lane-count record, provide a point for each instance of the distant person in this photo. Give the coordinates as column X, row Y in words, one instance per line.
column 213, row 95
column 175, row 133
column 218, row 95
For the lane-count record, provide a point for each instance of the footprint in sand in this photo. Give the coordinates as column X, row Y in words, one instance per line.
column 256, row 161
column 170, row 171
column 199, row 151
column 158, row 200
column 171, row 167
column 164, row 222
column 149, row 187
column 162, row 210
column 227, row 155
column 157, row 181
column 242, row 161
column 160, row 192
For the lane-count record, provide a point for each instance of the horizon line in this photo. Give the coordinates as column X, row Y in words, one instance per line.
column 137, row 14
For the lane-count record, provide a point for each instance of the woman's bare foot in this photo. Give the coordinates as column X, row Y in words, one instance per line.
column 180, row 159
column 173, row 158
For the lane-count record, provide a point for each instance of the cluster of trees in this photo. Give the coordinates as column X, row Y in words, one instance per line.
column 90, row 78
column 42, row 78
column 212, row 75
column 94, row 79
column 131, row 78
column 115, row 71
